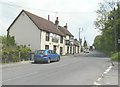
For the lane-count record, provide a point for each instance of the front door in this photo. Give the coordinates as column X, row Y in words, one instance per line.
column 54, row 48
column 61, row 50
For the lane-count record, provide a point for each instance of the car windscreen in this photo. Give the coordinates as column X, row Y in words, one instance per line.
column 39, row 52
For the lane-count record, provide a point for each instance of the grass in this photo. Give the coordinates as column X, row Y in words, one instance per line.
column 115, row 56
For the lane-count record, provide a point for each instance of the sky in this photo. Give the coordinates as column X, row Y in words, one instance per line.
column 77, row 14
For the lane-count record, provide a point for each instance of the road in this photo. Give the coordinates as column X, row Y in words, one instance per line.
column 83, row 69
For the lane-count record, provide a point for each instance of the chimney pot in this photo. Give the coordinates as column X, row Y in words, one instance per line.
column 57, row 21
column 48, row 17
column 66, row 26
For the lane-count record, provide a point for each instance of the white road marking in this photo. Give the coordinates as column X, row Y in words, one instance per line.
column 95, row 83
column 99, row 79
column 110, row 67
column 106, row 71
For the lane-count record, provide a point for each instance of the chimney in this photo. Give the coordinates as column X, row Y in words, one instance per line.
column 57, row 21
column 48, row 17
column 66, row 26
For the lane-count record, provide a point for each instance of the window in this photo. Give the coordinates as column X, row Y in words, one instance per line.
column 39, row 52
column 46, row 46
column 55, row 38
column 67, row 42
column 61, row 39
column 47, row 36
column 52, row 52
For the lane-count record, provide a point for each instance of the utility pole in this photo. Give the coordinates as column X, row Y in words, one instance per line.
column 114, row 13
column 116, row 26
column 80, row 40
column 118, row 30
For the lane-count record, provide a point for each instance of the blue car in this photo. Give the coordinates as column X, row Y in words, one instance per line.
column 46, row 56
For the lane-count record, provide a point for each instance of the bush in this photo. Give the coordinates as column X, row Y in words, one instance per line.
column 24, row 52
column 15, row 53
column 11, row 52
column 115, row 56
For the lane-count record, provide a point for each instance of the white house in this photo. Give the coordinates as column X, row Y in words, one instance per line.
column 39, row 33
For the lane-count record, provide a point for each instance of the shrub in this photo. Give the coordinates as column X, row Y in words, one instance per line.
column 24, row 52
column 11, row 52
column 115, row 56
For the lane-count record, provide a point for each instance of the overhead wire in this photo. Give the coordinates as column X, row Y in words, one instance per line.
column 55, row 12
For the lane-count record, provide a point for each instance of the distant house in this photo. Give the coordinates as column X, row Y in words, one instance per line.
column 39, row 33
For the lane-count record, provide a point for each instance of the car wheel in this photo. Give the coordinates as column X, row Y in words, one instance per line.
column 35, row 61
column 48, row 61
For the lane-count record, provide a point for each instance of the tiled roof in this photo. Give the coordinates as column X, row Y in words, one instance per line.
column 44, row 24
column 65, row 31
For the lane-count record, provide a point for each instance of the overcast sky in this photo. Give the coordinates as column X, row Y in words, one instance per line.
column 77, row 13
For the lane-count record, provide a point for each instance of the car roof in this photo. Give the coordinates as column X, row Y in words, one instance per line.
column 44, row 50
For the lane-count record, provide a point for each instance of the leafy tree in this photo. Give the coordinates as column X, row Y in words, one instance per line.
column 108, row 22
column 85, row 44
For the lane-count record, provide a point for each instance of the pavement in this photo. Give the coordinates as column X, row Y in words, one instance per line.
column 108, row 77
column 25, row 62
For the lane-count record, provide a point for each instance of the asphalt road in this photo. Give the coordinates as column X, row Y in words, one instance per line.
column 81, row 69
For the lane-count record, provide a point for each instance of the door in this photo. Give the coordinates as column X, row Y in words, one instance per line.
column 61, row 50
column 54, row 48
column 51, row 55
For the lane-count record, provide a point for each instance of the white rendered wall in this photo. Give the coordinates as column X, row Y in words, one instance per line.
column 26, row 32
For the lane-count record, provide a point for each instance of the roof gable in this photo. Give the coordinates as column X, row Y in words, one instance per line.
column 44, row 24
column 41, row 23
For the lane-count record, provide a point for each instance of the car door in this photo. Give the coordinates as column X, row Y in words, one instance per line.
column 55, row 56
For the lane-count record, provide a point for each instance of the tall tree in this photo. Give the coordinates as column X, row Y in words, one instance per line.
column 108, row 22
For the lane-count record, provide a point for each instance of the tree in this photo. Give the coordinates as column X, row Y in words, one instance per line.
column 85, row 44
column 108, row 23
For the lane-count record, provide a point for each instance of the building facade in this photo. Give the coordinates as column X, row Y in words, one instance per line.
column 40, row 34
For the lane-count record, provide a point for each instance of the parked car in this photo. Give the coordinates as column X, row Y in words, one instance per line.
column 86, row 50
column 46, row 56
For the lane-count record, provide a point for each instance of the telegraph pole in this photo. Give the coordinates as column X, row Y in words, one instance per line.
column 116, row 16
column 114, row 13
column 80, row 40
column 118, row 30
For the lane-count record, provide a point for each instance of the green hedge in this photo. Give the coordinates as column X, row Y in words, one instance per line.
column 15, row 54
column 115, row 56
column 11, row 52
